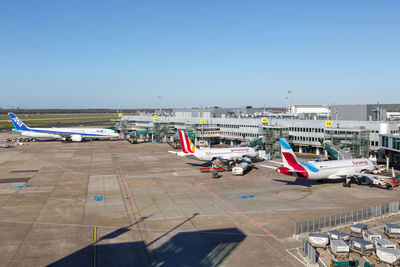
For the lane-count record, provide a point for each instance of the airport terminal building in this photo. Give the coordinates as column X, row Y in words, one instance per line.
column 340, row 130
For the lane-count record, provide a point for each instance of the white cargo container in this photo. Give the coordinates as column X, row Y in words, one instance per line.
column 392, row 230
column 361, row 246
column 241, row 168
column 318, row 240
column 388, row 255
column 356, row 229
column 371, row 235
column 338, row 235
column 384, row 243
column 339, row 247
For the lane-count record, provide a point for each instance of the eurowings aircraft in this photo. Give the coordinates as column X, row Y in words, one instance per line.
column 209, row 154
column 66, row 134
column 335, row 169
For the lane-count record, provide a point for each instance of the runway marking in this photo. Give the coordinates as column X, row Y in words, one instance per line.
column 127, row 216
column 85, row 194
column 288, row 251
column 94, row 245
column 238, row 211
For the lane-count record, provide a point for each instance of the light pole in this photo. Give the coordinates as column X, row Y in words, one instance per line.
column 159, row 98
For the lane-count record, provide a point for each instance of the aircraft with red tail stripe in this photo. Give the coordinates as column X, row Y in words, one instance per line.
column 209, row 154
column 313, row 170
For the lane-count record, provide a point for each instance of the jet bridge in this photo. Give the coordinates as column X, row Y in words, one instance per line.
column 335, row 152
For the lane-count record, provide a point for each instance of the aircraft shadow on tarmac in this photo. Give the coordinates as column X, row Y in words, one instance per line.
column 196, row 248
column 308, row 183
column 203, row 164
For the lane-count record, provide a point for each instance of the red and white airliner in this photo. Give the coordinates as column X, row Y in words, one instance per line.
column 210, row 154
column 335, row 169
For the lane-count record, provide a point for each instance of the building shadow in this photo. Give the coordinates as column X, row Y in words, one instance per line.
column 195, row 248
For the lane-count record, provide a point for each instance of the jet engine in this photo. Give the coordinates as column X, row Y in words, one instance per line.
column 76, row 138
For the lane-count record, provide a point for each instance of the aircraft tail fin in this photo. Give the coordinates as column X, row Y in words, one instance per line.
column 186, row 144
column 288, row 156
column 18, row 124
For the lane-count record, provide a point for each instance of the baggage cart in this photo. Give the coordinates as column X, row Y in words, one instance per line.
column 339, row 247
column 361, row 246
column 371, row 235
column 356, row 229
column 384, row 243
column 392, row 230
column 338, row 235
column 388, row 255
column 318, row 240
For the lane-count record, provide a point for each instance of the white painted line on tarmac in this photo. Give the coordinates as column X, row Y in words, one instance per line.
column 323, row 263
column 305, row 264
column 365, row 258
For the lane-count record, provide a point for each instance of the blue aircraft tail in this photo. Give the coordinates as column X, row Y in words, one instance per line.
column 18, row 124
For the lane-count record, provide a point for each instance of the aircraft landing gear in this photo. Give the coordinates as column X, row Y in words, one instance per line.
column 347, row 183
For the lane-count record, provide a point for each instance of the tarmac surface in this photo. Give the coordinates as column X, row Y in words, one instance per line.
column 111, row 203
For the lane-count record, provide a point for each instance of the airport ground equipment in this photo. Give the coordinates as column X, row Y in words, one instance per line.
column 241, row 168
column 344, row 263
column 371, row 235
column 357, row 229
column 339, row 248
column 215, row 175
column 4, row 145
column 361, row 246
column 318, row 240
column 392, row 230
column 384, row 243
column 140, row 136
column 338, row 235
column 388, row 255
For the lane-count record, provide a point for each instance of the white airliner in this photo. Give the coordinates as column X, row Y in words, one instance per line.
column 66, row 134
column 210, row 154
column 359, row 170
column 334, row 169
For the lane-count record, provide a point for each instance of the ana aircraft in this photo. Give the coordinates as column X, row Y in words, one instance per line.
column 66, row 134
column 209, row 154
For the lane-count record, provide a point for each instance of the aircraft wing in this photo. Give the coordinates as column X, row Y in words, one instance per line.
column 269, row 160
column 270, row 167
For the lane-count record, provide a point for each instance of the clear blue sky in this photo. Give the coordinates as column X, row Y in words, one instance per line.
column 124, row 54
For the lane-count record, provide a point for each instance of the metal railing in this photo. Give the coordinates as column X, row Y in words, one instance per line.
column 345, row 217
column 309, row 250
